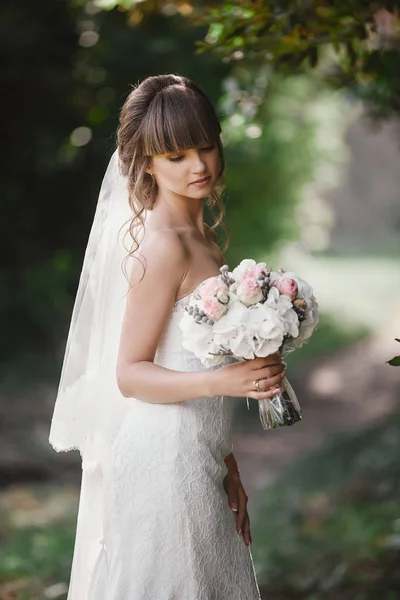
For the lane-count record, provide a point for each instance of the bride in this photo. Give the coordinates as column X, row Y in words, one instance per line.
column 162, row 511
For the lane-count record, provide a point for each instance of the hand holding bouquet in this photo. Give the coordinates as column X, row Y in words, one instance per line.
column 252, row 312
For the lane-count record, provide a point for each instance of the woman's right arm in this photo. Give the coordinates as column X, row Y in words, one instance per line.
column 149, row 305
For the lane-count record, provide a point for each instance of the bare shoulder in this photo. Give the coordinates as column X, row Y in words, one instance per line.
column 163, row 252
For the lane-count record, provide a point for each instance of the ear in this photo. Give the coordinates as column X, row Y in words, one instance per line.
column 149, row 165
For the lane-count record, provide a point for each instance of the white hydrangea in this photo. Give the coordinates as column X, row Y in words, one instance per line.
column 199, row 339
column 283, row 306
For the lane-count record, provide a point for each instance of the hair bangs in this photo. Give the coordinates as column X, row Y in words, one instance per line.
column 178, row 119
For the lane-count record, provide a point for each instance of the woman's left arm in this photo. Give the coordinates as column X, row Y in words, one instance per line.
column 237, row 498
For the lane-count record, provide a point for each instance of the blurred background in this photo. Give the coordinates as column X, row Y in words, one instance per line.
column 308, row 94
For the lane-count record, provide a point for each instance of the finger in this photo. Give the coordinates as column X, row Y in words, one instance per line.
column 233, row 501
column 264, row 395
column 262, row 361
column 232, row 493
column 241, row 511
column 271, row 370
column 266, row 384
column 246, row 530
column 274, row 355
column 273, row 359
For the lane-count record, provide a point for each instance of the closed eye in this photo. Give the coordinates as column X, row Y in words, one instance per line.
column 181, row 157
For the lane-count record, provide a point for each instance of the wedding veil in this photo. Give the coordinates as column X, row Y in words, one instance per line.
column 89, row 406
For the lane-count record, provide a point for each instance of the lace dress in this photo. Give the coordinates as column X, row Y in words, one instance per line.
column 168, row 530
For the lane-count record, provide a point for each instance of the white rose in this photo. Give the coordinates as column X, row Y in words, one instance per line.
column 238, row 271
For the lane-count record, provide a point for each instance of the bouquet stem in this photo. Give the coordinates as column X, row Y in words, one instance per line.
column 282, row 410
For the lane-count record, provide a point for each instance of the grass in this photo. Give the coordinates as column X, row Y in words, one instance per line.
column 35, row 557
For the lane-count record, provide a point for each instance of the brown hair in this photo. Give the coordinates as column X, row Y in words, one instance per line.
column 165, row 113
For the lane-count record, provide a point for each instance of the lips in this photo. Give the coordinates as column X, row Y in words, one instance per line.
column 203, row 180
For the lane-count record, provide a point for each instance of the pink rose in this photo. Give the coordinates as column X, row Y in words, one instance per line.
column 253, row 272
column 213, row 308
column 249, row 292
column 211, row 287
column 287, row 286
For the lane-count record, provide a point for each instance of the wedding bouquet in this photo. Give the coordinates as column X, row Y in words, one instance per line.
column 249, row 312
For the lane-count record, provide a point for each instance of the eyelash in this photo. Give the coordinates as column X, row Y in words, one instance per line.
column 179, row 158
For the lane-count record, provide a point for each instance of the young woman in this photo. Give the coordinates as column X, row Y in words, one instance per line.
column 162, row 511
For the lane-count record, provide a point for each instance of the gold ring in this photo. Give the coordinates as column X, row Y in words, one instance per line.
column 257, row 385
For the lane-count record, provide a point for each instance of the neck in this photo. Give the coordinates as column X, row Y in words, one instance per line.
column 180, row 212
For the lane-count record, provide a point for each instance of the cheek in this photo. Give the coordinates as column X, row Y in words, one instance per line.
column 214, row 163
column 172, row 174
column 177, row 173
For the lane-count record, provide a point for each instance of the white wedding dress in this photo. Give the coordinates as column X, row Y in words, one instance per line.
column 168, row 532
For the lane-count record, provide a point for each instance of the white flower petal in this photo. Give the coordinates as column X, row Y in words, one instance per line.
column 237, row 273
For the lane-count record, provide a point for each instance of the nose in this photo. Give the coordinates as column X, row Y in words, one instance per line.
column 198, row 164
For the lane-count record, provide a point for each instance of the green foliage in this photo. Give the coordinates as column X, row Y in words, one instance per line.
column 354, row 44
column 272, row 134
column 287, row 34
column 395, row 362
column 331, row 522
column 266, row 173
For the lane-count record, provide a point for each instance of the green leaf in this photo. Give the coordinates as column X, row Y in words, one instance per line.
column 394, row 362
column 237, row 41
column 248, row 14
column 324, row 12
column 106, row 4
column 397, row 339
column 215, row 32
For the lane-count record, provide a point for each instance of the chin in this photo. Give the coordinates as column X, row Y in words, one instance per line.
column 200, row 195
column 202, row 192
